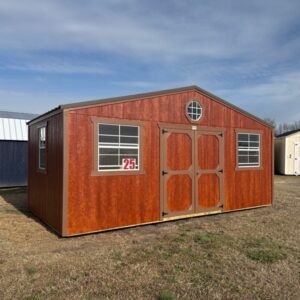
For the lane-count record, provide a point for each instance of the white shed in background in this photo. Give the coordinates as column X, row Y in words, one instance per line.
column 287, row 153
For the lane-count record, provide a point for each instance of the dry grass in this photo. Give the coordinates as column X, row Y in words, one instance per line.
column 252, row 254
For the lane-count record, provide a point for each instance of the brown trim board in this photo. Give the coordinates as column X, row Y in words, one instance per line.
column 273, row 163
column 64, row 230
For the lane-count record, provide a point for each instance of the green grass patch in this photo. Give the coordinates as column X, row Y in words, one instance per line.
column 266, row 255
column 203, row 238
column 262, row 250
column 30, row 270
column 166, row 295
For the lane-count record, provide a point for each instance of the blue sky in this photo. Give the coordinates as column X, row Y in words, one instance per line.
column 60, row 51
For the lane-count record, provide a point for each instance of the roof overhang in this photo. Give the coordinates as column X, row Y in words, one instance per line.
column 143, row 96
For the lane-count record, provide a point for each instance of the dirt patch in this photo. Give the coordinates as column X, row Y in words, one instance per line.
column 248, row 254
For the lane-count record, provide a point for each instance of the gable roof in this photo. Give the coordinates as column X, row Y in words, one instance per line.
column 153, row 94
column 287, row 133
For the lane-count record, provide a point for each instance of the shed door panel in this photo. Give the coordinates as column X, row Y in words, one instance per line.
column 179, row 193
column 208, row 191
column 178, row 168
column 209, row 170
column 208, row 152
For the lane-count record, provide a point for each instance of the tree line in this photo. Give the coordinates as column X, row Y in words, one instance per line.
column 282, row 127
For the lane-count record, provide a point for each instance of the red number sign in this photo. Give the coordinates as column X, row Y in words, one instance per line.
column 129, row 163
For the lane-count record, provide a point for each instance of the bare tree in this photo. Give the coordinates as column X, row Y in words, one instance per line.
column 271, row 122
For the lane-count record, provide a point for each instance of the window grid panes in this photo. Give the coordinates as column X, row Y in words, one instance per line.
column 118, row 147
column 194, row 110
column 248, row 150
column 42, row 148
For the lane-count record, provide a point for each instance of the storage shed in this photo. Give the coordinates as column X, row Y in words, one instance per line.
column 146, row 158
column 287, row 153
column 13, row 148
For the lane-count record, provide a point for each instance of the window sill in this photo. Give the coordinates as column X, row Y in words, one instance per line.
column 249, row 168
column 117, row 173
column 42, row 171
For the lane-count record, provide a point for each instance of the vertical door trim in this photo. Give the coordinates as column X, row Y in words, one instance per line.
column 164, row 134
column 296, row 159
column 219, row 170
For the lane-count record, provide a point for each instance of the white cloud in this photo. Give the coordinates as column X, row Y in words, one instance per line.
column 30, row 102
column 213, row 29
column 60, row 67
column 278, row 98
column 247, row 52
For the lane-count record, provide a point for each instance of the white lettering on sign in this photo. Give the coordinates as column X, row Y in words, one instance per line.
column 128, row 163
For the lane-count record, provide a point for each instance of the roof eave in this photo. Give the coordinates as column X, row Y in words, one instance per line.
column 148, row 95
column 45, row 115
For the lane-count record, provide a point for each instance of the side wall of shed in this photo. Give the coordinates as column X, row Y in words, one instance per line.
column 280, row 157
column 101, row 202
column 45, row 189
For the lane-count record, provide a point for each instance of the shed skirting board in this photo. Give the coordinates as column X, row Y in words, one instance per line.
column 170, row 219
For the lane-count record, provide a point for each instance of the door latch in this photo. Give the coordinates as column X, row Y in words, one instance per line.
column 164, row 173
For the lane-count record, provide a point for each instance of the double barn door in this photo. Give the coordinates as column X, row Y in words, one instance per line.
column 191, row 171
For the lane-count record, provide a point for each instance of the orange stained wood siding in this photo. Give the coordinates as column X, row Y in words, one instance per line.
column 45, row 188
column 102, row 202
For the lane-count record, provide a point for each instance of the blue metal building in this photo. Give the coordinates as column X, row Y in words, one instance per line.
column 13, row 148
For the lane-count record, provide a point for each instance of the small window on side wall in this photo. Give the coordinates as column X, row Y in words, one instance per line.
column 248, row 150
column 42, row 148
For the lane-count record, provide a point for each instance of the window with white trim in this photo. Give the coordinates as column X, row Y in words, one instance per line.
column 248, row 149
column 42, row 148
column 118, row 147
column 194, row 110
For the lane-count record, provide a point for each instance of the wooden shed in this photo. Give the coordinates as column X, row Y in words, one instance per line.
column 146, row 158
column 287, row 153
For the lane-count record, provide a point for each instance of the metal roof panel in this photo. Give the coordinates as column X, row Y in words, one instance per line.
column 13, row 129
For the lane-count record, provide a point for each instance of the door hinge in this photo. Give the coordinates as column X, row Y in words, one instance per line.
column 221, row 205
column 220, row 171
column 164, row 213
column 221, row 134
column 164, row 131
column 164, row 173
